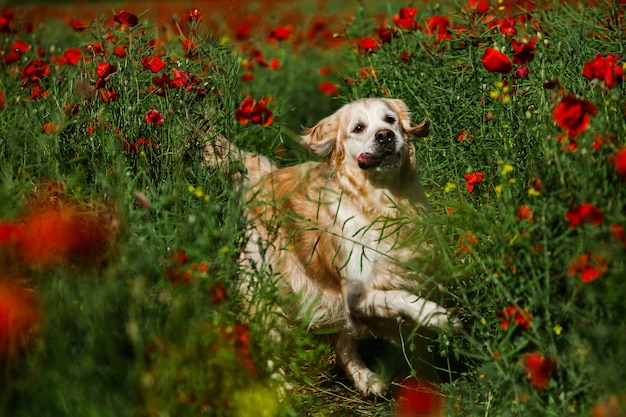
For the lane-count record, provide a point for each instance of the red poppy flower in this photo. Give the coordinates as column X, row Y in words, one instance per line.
column 126, row 18
column 78, row 25
column 525, row 51
column 539, row 369
column 524, row 213
column 152, row 63
column 506, row 25
column 20, row 47
column 72, row 55
column 368, row 44
column 463, row 135
column 10, row 232
column 605, row 69
column 251, row 111
column 619, row 162
column 496, row 61
column 405, row 18
column 385, row 35
column 274, row 64
column 418, row 399
column 218, row 293
column 466, row 241
column 37, row 93
column 193, row 15
column 59, row 233
column 108, row 96
column 281, row 33
column 261, row 115
column 472, row 179
column 513, row 314
column 478, row 6
column 104, row 71
column 190, row 47
column 20, row 312
column 438, row 25
column 590, row 267
column 120, row 50
column 328, row 88
column 140, row 145
column 35, row 71
column 154, row 116
column 573, row 114
column 584, row 213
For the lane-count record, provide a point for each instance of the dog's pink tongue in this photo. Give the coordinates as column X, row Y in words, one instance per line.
column 366, row 160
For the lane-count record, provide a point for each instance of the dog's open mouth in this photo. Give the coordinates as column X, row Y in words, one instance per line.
column 368, row 160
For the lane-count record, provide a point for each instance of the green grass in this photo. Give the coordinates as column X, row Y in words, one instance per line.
column 125, row 332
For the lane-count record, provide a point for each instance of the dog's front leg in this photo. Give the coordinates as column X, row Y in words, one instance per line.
column 372, row 303
column 366, row 381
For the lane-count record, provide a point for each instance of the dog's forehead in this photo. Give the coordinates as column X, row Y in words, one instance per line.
column 368, row 109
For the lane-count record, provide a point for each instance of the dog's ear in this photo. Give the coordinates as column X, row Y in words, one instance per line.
column 420, row 130
column 322, row 137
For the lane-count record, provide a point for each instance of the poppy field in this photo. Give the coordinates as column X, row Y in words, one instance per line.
column 119, row 243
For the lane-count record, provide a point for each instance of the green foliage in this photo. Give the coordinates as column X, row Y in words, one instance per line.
column 158, row 328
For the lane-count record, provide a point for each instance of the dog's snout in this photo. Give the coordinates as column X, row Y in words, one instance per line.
column 385, row 136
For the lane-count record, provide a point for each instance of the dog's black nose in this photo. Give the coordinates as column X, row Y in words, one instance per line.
column 385, row 136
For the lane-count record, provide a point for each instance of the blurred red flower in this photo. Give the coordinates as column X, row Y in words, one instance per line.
column 573, row 114
column 193, row 15
column 605, row 69
column 539, row 369
column 274, row 64
column 478, row 6
column 466, row 241
column 20, row 47
column 438, row 25
column 524, row 213
column 385, row 35
column 247, row 76
column 618, row 161
column 72, row 55
column 35, row 71
column 218, row 293
column 368, row 45
column 126, row 18
column 512, row 314
column 139, row 145
column 496, row 61
column 78, row 25
column 152, row 63
column 251, row 111
column 584, row 213
column 154, row 116
column 328, row 88
column 62, row 232
column 418, row 399
column 472, row 179
column 20, row 313
column 524, row 51
column 281, row 33
column 120, row 50
column 190, row 47
column 405, row 18
column 590, row 267
column 104, row 71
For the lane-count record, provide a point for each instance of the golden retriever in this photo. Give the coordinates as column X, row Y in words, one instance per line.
column 334, row 231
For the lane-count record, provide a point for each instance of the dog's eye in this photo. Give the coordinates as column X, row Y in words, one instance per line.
column 358, row 128
column 390, row 119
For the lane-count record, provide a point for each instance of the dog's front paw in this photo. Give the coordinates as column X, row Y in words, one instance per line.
column 369, row 383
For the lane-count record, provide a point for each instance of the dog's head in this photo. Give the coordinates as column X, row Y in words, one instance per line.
column 371, row 133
